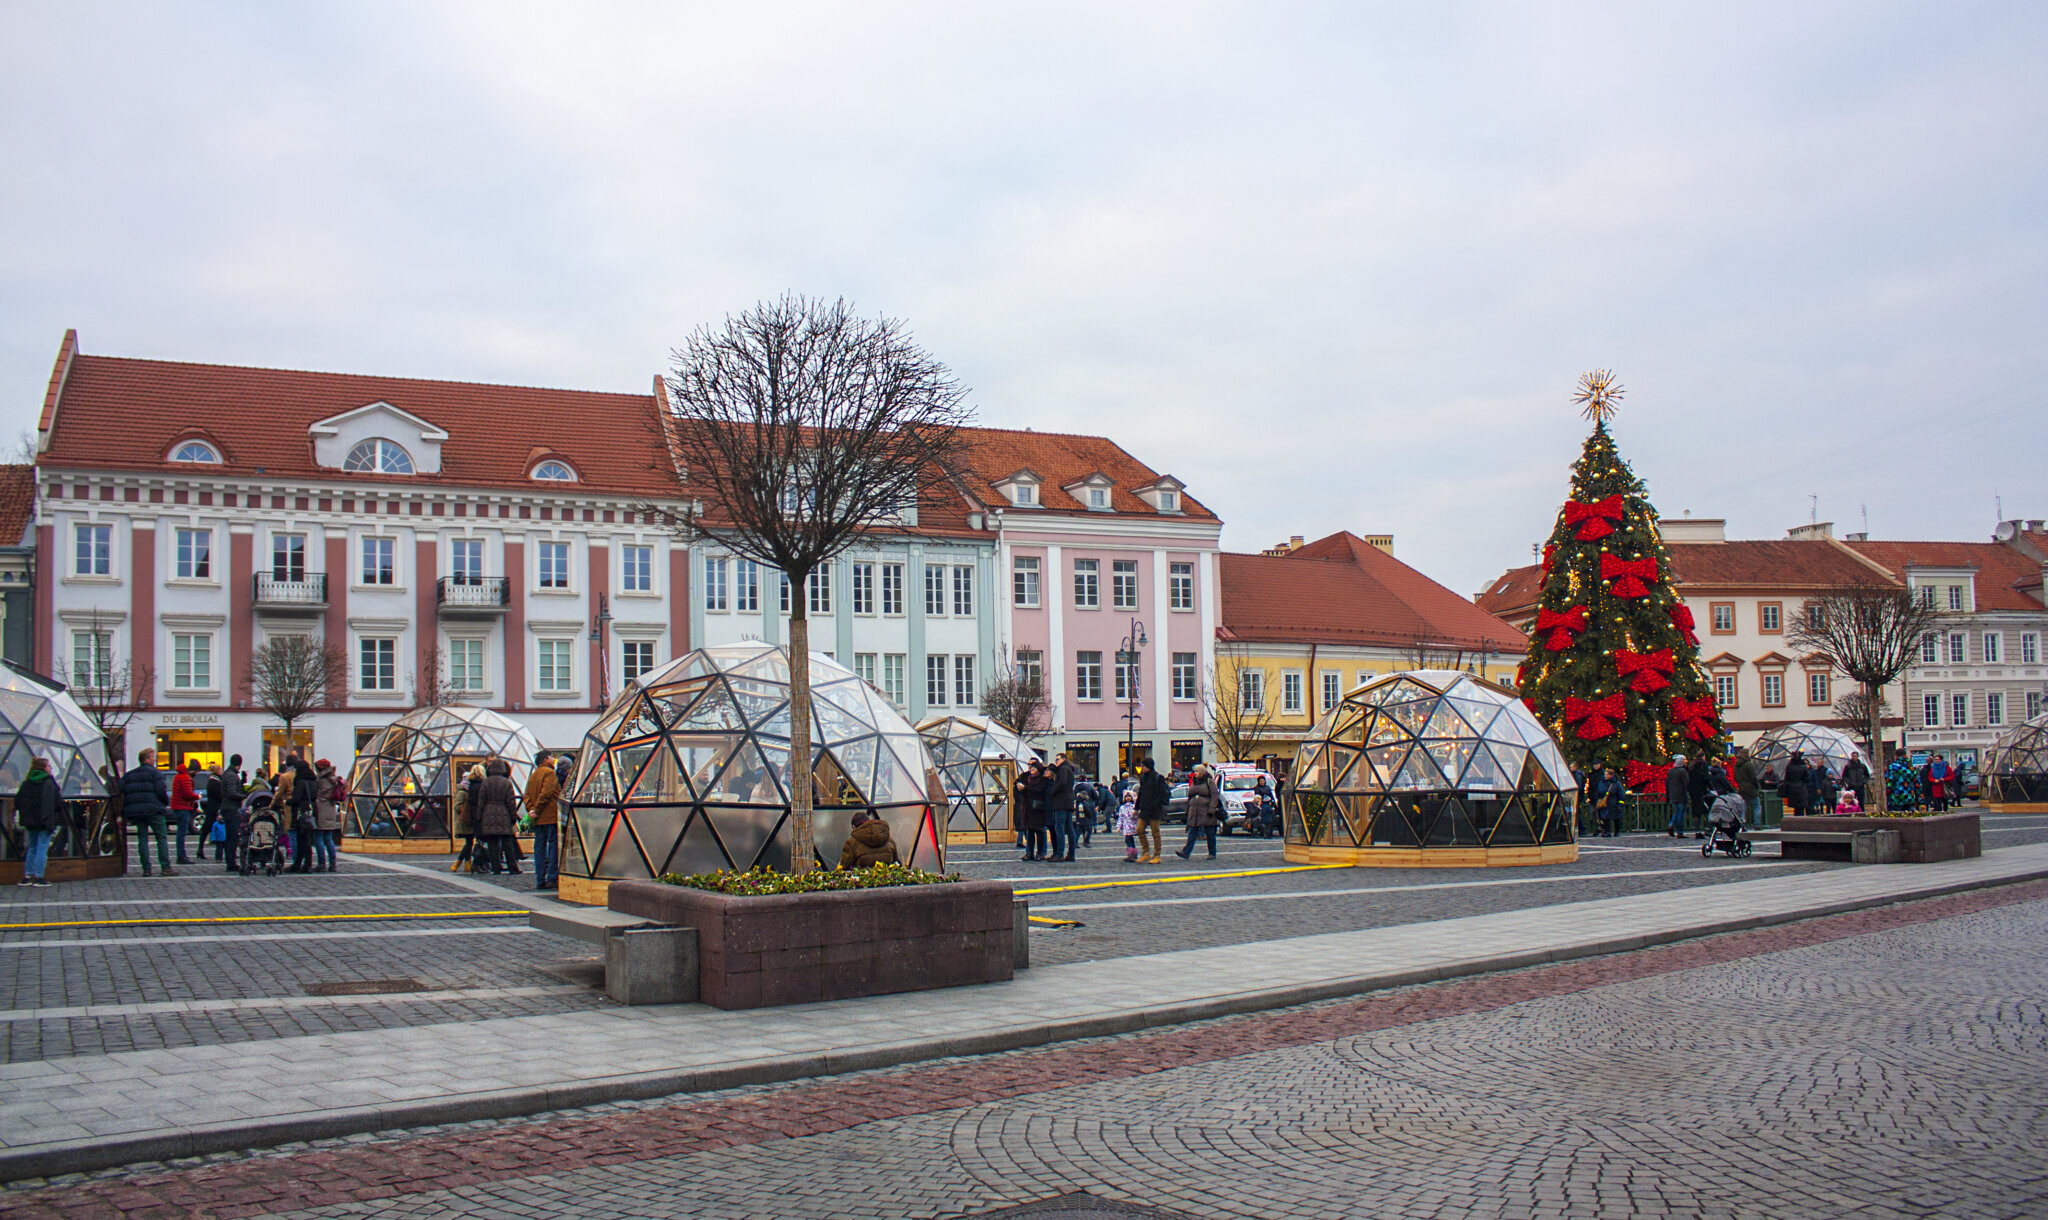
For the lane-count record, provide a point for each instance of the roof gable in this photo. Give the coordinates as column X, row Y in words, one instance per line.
column 1368, row 597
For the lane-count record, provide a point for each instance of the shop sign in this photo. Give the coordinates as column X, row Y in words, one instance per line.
column 191, row 718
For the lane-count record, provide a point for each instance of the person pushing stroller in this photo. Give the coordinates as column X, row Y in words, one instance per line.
column 1724, row 826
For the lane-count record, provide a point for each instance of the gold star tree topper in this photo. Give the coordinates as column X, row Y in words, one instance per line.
column 1598, row 395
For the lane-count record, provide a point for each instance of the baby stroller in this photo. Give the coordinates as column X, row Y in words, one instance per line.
column 262, row 839
column 1724, row 828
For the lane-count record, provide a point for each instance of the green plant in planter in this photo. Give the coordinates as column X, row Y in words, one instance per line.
column 1315, row 814
column 766, row 881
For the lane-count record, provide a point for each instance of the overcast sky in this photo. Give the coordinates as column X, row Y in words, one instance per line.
column 1333, row 266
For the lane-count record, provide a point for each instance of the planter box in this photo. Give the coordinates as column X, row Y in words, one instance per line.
column 758, row 952
column 1945, row 836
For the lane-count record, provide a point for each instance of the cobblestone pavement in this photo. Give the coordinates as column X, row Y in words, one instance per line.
column 1889, row 1062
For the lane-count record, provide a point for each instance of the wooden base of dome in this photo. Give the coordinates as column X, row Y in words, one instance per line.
column 1432, row 857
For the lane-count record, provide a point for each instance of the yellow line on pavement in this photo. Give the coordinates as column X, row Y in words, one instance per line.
column 1057, row 923
column 135, row 923
column 1245, row 872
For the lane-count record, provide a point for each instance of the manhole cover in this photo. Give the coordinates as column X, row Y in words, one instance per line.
column 366, row 987
column 1081, row 1206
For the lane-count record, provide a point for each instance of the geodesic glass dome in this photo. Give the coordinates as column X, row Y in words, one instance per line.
column 40, row 719
column 688, row 770
column 2016, row 767
column 1430, row 759
column 1820, row 744
column 402, row 779
column 977, row 760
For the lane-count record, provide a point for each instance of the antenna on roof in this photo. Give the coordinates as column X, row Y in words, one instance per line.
column 1865, row 508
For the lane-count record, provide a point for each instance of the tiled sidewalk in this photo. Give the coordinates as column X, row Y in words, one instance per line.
column 89, row 1112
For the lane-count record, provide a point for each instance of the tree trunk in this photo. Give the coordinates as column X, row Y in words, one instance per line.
column 1880, row 779
column 802, row 858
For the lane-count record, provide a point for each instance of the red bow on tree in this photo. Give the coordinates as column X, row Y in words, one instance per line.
column 1652, row 669
column 1594, row 519
column 1697, row 715
column 1681, row 618
column 1549, row 553
column 1639, row 773
column 1561, row 625
column 1599, row 715
column 1628, row 575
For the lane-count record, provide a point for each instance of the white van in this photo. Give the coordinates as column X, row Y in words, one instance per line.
column 1235, row 782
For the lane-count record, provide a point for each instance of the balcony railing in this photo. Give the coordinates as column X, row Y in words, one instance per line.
column 309, row 592
column 476, row 594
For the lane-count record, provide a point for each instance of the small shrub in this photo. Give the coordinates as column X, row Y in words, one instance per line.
column 766, row 881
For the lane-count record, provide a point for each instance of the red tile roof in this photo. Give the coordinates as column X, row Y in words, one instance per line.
column 17, row 502
column 1342, row 590
column 1702, row 567
column 1060, row 459
column 113, row 413
column 2003, row 572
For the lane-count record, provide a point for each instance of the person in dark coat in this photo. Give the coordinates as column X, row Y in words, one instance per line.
column 1059, row 807
column 38, row 808
column 1794, row 788
column 1153, row 794
column 1205, row 809
column 1087, row 801
column 224, row 797
column 1855, row 777
column 1029, row 810
column 146, row 803
column 497, row 815
column 869, row 844
column 1705, row 779
column 1678, row 795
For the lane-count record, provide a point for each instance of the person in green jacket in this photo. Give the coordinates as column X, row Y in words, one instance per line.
column 1749, row 785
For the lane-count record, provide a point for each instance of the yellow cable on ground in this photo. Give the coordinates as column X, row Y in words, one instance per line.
column 1248, row 872
column 136, row 923
column 1056, row 923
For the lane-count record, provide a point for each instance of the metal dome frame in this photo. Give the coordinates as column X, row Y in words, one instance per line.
column 1773, row 749
column 40, row 719
column 977, row 761
column 400, row 784
column 2015, row 773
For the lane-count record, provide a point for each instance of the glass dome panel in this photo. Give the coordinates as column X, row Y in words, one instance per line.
column 2016, row 766
column 63, row 734
column 405, row 774
column 1818, row 743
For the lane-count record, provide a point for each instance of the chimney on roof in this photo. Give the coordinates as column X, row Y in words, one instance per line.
column 2025, row 536
column 1813, row 532
column 1858, row 536
column 1693, row 529
column 1288, row 547
column 1380, row 542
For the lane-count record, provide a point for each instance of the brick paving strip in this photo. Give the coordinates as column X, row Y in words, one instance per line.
column 406, row 1166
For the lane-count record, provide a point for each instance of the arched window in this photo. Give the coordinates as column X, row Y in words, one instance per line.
column 195, row 451
column 554, row 470
column 378, row 456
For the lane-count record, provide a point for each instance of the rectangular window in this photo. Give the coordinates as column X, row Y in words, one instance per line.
column 1955, row 597
column 192, row 662
column 636, row 657
column 1123, row 584
column 1024, row 582
column 1774, row 690
column 935, row 679
column 963, row 681
column 288, row 557
column 92, row 659
column 2030, row 648
column 554, row 566
column 2033, row 704
column 1290, row 693
column 1364, row 676
column 1333, row 689
column 466, row 665
column 636, row 569
column 892, row 589
column 556, row 670
column 1994, row 707
column 1927, row 596
column 820, row 586
column 1930, row 711
column 1724, row 690
column 895, row 668
column 377, row 663
column 380, row 565
column 1722, row 616
column 1087, row 584
column 1126, row 681
column 1959, row 711
column 466, row 561
column 1184, row 677
column 1180, row 586
column 1817, row 692
column 746, row 586
column 782, row 591
column 1251, row 690
column 1031, row 669
column 934, row 589
column 95, row 550
column 864, row 667
column 863, row 577
column 1088, row 675
column 195, row 554
column 715, row 597
column 1929, row 649
column 1958, row 648
column 963, row 592
column 1769, row 617
column 1994, row 647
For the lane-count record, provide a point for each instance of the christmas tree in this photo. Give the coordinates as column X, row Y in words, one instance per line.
column 1613, row 664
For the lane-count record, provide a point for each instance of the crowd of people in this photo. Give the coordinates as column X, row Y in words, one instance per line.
column 1056, row 810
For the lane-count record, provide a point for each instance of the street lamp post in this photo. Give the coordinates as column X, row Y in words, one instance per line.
column 598, row 631
column 1127, row 663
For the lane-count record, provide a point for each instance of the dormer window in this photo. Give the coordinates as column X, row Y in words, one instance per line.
column 558, row 471
column 378, row 456
column 1024, row 495
column 1169, row 501
column 1162, row 495
column 196, row 451
column 1098, row 497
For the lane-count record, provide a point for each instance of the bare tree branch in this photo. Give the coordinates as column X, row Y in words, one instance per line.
column 290, row 675
column 1424, row 653
column 1242, row 705
column 1870, row 632
column 430, row 687
column 1016, row 702
column 111, row 692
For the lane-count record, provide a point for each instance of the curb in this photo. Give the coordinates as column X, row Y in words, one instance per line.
column 85, row 1156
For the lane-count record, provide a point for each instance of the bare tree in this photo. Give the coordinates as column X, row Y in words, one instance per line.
column 112, row 693
column 1854, row 707
column 1872, row 633
column 430, row 686
column 1425, row 653
column 796, row 429
column 290, row 675
column 1241, row 708
column 1016, row 702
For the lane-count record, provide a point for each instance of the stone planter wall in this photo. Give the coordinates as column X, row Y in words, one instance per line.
column 1945, row 836
column 758, row 952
